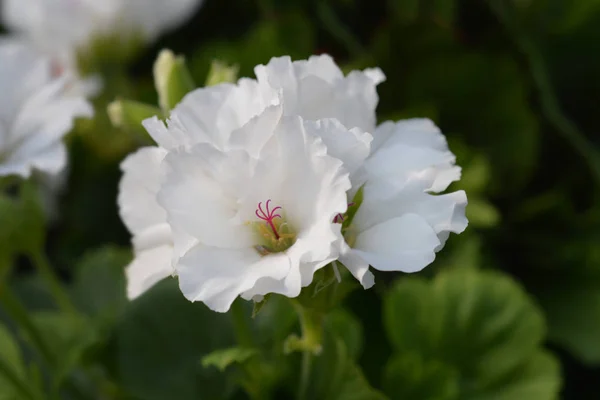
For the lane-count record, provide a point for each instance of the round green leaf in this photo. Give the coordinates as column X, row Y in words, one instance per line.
column 410, row 377
column 480, row 323
column 539, row 378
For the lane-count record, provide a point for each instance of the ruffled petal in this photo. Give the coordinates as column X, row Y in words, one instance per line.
column 406, row 243
column 147, row 269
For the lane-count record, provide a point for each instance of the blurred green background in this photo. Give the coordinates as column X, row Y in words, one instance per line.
column 514, row 85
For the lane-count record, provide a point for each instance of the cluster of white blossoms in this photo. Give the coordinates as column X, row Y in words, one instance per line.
column 36, row 111
column 255, row 186
column 42, row 91
column 62, row 28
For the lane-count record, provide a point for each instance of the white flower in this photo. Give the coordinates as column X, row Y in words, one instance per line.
column 62, row 26
column 206, row 115
column 262, row 224
column 36, row 111
column 145, row 219
column 399, row 224
column 316, row 88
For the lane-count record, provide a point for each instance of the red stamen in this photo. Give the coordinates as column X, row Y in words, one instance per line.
column 268, row 216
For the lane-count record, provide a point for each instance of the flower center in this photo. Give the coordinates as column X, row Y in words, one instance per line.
column 275, row 235
column 268, row 216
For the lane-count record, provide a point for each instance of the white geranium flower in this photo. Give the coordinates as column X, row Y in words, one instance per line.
column 316, row 88
column 399, row 224
column 36, row 111
column 260, row 223
column 145, row 219
column 62, row 26
column 206, row 115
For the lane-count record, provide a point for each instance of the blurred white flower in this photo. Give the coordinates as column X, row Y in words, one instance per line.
column 316, row 88
column 36, row 111
column 60, row 27
column 400, row 224
column 206, row 115
column 261, row 211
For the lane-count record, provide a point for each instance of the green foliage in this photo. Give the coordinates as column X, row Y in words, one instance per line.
column 513, row 84
column 162, row 328
column 336, row 376
column 468, row 331
column 172, row 79
column 13, row 375
column 99, row 284
column 226, row 357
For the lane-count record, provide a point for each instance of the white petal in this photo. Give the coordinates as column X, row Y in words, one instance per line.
column 412, row 149
column 200, row 195
column 316, row 88
column 443, row 212
column 211, row 114
column 148, row 268
column 406, row 243
column 358, row 267
column 253, row 136
column 138, row 188
column 218, row 276
column 351, row 147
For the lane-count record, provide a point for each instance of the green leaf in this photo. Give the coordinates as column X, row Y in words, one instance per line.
column 13, row 376
column 224, row 358
column 336, row 376
column 172, row 79
column 159, row 340
column 68, row 336
column 408, row 376
column 539, row 378
column 479, row 323
column 99, row 287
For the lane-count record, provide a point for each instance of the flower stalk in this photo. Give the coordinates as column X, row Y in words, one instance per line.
column 311, row 343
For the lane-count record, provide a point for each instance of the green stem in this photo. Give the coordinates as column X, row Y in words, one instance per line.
column 305, row 374
column 56, row 289
column 311, row 323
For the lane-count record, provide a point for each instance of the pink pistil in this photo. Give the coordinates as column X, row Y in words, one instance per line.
column 338, row 219
column 268, row 216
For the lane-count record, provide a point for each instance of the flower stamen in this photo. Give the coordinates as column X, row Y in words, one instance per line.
column 338, row 219
column 268, row 216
